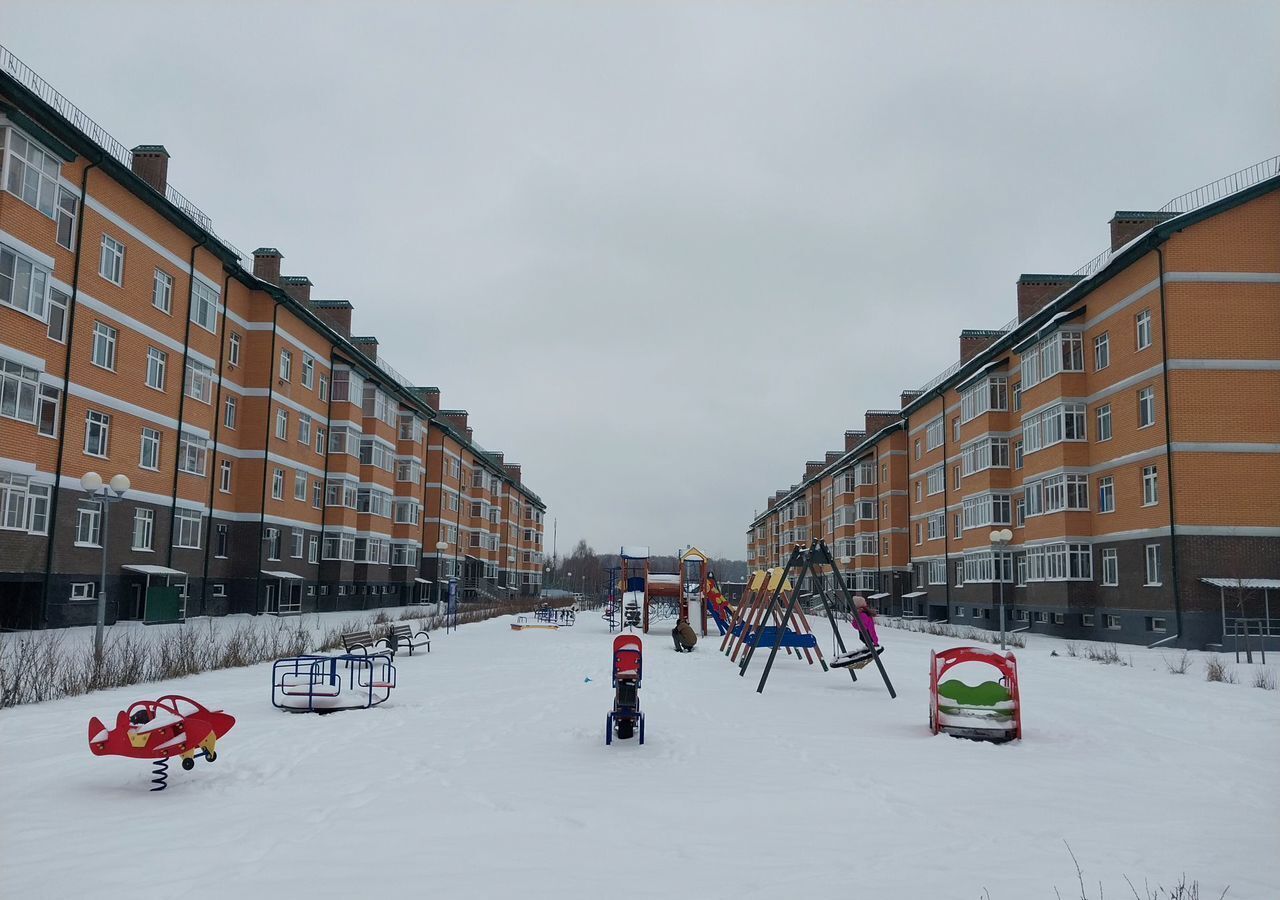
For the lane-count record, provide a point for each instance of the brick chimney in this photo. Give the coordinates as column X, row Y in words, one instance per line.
column 812, row 467
column 456, row 418
column 334, row 313
column 470, row 435
column 908, row 397
column 299, row 288
column 1034, row 291
column 853, row 439
column 429, row 396
column 974, row 342
column 771, row 503
column 513, row 471
column 151, row 163
column 367, row 345
column 1128, row 224
column 266, row 264
column 832, row 456
column 880, row 418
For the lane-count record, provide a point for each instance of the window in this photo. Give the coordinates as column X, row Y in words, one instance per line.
column 1146, row 407
column 1150, row 486
column 84, row 590
column 1110, row 567
column 1142, row 329
column 988, row 566
column 1112, row 622
column 1017, row 454
column 1017, row 396
column 955, row 430
column 282, row 424
column 23, row 283
column 1086, row 619
column 983, row 397
column 229, row 412
column 221, row 542
column 404, row 555
column 24, row 506
column 57, row 330
column 1062, row 351
column 219, row 591
column 68, row 206
column 224, row 476
column 1058, row 618
column 162, row 291
column 317, row 493
column 1102, row 422
column 88, row 524
column 104, row 346
column 987, row 453
column 1060, row 422
column 1023, row 615
column 321, row 440
column 406, row 512
column 157, row 363
column 19, row 389
column 1106, row 494
column 33, row 172
column 1153, row 566
column 286, row 365
column 192, row 454
column 111, row 260
column 233, row 350
column 935, row 525
column 143, row 528
column 313, row 549
column 149, row 457
column 1057, row 493
column 1101, row 351
column 936, row 480
column 304, row 429
column 1157, row 623
column 340, row 492
column 277, row 484
column 338, row 546
column 986, row 509
column 1041, row 616
column 917, row 448
column 186, row 529
column 957, row 526
column 955, row 479
column 933, row 434
column 300, row 487
column 273, row 543
column 308, row 370
column 323, row 390
column 296, row 538
column 97, row 433
column 1020, row 512
column 1059, row 562
column 959, row 612
column 959, row 567
column 919, row 491
column 204, row 306
column 198, row 383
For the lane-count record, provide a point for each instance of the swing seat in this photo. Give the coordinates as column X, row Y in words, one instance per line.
column 856, row 659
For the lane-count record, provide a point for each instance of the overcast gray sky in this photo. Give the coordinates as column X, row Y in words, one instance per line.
column 665, row 253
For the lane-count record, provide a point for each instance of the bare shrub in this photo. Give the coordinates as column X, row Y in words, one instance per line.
column 1178, row 665
column 1107, row 654
column 1072, row 649
column 943, row 629
column 1181, row 890
column 1216, row 670
column 1264, row 678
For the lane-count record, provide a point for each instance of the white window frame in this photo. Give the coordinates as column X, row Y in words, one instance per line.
column 144, row 523
column 1151, row 567
column 233, row 349
column 277, row 483
column 204, row 306
column 1102, row 423
column 1146, row 407
column 157, row 368
column 19, row 271
column 162, row 291
column 286, row 365
column 1110, row 565
column 188, row 525
column 282, row 424
column 1142, row 329
column 111, row 260
column 1101, row 351
column 22, row 158
column 97, row 424
column 89, row 524
column 1150, row 485
column 1106, row 494
column 197, row 381
column 150, row 441
column 229, row 409
column 224, row 476
column 105, row 341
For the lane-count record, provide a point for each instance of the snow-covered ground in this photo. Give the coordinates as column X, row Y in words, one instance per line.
column 486, row 775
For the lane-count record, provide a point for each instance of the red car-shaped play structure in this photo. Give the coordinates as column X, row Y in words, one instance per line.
column 169, row 726
column 989, row 711
column 625, row 718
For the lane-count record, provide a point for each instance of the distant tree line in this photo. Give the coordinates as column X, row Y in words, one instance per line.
column 583, row 570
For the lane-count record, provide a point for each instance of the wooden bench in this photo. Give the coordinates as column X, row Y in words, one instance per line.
column 403, row 636
column 362, row 643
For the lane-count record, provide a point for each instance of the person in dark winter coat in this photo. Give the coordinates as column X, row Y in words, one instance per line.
column 683, row 636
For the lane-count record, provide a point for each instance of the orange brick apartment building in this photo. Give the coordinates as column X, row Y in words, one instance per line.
column 1125, row 426
column 278, row 463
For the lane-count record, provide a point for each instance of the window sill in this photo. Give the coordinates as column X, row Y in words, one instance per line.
column 1153, row 584
column 142, row 549
column 87, row 546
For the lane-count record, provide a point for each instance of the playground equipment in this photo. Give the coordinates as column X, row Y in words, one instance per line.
column 695, row 579
column 314, row 683
column 522, row 623
column 625, row 717
column 636, row 582
column 171, row 725
column 990, row 711
column 808, row 563
column 715, row 605
column 756, row 621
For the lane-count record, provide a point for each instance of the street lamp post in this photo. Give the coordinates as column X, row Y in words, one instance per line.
column 105, row 495
column 441, row 546
column 1000, row 539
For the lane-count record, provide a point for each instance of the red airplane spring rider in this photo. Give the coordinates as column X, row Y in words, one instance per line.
column 158, row 729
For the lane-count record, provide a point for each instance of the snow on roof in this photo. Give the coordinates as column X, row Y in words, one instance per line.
column 636, row 552
column 1265, row 583
column 664, row 579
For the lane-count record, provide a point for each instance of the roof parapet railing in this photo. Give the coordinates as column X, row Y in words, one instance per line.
column 1224, row 187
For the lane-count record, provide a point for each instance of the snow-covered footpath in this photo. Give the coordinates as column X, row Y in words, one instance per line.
column 486, row 775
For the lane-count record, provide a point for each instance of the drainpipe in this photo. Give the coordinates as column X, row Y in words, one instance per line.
column 266, row 454
column 66, row 401
column 875, row 461
column 324, row 483
column 946, row 513
column 1168, row 446
column 217, row 427
column 182, row 398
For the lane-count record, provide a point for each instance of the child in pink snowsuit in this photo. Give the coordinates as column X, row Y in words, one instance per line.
column 866, row 617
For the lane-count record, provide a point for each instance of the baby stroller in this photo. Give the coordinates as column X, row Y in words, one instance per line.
column 625, row 716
